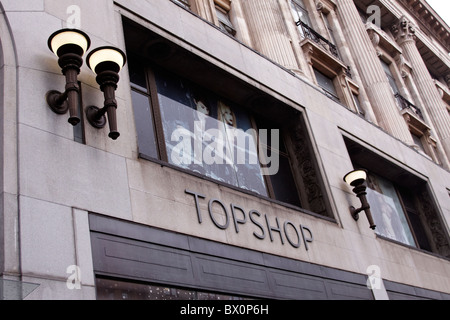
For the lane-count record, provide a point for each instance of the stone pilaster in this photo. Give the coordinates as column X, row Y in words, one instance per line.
column 405, row 35
column 269, row 33
column 371, row 72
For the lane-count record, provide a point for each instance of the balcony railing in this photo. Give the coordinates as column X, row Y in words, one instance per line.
column 311, row 34
column 405, row 104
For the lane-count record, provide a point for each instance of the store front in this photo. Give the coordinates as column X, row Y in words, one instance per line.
column 174, row 266
column 137, row 262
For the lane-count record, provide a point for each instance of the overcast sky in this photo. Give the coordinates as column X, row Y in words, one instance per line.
column 442, row 7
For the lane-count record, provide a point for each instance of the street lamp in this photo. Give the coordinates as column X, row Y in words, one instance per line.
column 106, row 62
column 356, row 179
column 69, row 45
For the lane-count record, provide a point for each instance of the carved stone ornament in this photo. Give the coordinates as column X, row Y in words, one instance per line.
column 314, row 194
column 319, row 5
column 447, row 80
column 404, row 30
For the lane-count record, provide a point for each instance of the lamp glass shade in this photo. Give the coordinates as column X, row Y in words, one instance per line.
column 106, row 58
column 354, row 176
column 65, row 38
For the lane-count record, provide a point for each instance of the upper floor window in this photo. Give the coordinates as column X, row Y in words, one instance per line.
column 329, row 28
column 390, row 77
column 327, row 84
column 300, row 14
column 224, row 21
column 223, row 9
column 357, row 102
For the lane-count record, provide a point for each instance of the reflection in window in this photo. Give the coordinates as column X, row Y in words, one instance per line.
column 326, row 83
column 208, row 135
column 300, row 13
column 388, row 211
column 402, row 203
column 109, row 289
column 196, row 130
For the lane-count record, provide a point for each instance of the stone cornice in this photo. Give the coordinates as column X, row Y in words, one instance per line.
column 430, row 20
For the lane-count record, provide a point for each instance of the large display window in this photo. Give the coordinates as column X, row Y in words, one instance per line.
column 194, row 116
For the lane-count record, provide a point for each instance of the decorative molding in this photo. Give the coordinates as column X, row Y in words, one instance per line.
column 404, row 30
column 224, row 4
column 430, row 20
column 312, row 189
column 381, row 39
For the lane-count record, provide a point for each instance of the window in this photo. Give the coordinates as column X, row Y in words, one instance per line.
column 224, row 20
column 143, row 111
column 326, row 83
column 208, row 135
column 389, row 213
column 330, row 31
column 357, row 102
column 418, row 142
column 299, row 11
column 197, row 118
column 300, row 14
column 119, row 289
column 402, row 203
column 387, row 70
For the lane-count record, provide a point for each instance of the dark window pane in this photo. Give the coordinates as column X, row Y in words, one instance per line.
column 387, row 70
column 137, row 75
column 326, row 83
column 414, row 218
column 284, row 185
column 144, row 125
column 264, row 124
column 109, row 289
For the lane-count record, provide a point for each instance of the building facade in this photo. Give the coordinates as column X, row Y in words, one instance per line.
column 238, row 121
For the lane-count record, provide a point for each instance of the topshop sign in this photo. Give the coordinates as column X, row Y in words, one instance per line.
column 265, row 226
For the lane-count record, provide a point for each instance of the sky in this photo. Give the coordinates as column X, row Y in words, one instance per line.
column 442, row 7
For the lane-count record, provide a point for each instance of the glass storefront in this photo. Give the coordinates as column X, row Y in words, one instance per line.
column 114, row 289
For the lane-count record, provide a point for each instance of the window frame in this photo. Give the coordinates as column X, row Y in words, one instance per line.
column 431, row 217
column 390, row 77
column 155, row 106
column 405, row 213
column 333, row 95
column 224, row 20
column 299, row 4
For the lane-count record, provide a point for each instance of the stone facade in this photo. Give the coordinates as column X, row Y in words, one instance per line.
column 51, row 184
